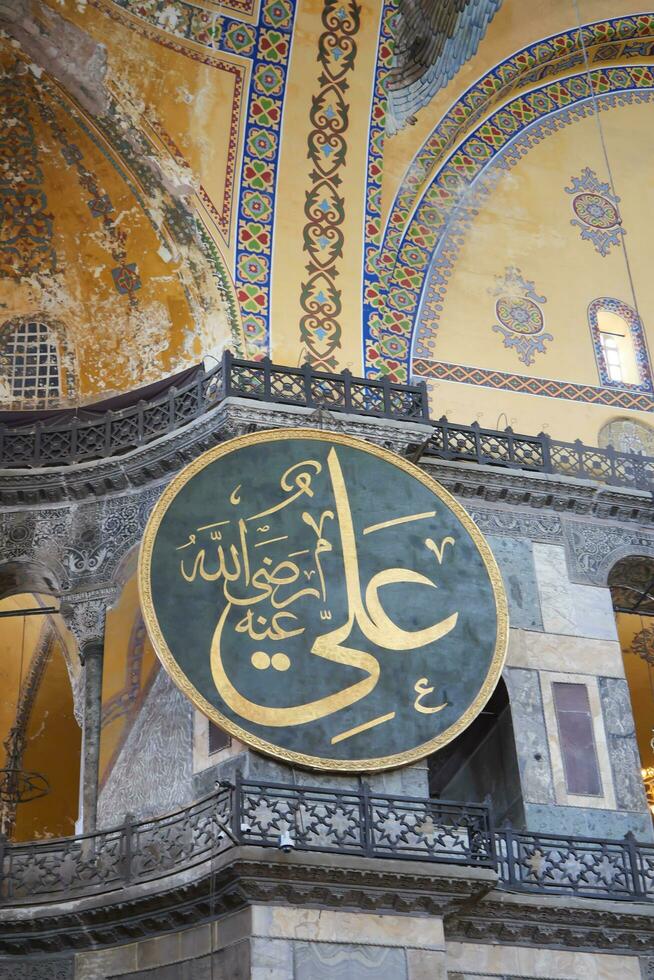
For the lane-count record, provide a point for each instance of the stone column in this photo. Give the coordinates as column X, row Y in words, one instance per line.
column 84, row 614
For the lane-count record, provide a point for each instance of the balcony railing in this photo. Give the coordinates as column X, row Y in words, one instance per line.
column 78, row 440
column 541, row 454
column 306, row 818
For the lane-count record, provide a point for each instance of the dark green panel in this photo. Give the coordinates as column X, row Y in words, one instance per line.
column 358, row 650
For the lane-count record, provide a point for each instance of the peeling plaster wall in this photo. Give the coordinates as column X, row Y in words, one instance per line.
column 100, row 231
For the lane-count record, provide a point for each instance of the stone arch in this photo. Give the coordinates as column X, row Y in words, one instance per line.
column 460, row 149
column 627, row 436
column 28, row 576
column 602, row 575
column 631, row 581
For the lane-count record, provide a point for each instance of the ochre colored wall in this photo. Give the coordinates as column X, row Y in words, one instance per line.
column 52, row 735
column 640, row 677
column 264, row 206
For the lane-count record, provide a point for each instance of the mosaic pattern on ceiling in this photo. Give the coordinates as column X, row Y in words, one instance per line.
column 429, row 242
column 631, row 318
column 189, row 23
column 432, row 42
column 596, row 211
column 26, row 225
column 124, row 274
column 446, row 251
column 324, row 209
column 623, row 38
column 518, row 307
column 267, row 45
column 375, row 163
column 384, row 352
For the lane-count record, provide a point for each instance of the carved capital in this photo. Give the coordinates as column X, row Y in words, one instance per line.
column 84, row 614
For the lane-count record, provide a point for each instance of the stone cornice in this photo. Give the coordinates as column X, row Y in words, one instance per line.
column 156, row 463
column 472, row 907
column 554, row 921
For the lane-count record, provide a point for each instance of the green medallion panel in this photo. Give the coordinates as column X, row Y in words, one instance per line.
column 323, row 600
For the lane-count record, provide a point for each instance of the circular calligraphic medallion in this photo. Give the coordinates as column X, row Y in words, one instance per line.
column 323, row 600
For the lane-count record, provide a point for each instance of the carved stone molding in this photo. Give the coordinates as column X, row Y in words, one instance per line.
column 472, row 908
column 562, row 923
column 593, row 548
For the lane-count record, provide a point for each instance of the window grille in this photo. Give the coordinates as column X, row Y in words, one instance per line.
column 30, row 362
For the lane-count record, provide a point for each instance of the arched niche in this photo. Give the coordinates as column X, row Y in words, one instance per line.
column 627, row 436
column 39, row 731
column 631, row 581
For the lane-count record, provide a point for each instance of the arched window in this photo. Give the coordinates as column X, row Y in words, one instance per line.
column 619, row 343
column 627, row 436
column 35, row 364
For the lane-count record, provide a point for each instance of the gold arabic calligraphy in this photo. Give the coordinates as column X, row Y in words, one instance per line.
column 281, row 584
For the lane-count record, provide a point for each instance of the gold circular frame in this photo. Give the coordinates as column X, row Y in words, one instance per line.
column 268, row 748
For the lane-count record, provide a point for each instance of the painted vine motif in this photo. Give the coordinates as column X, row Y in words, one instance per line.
column 320, row 300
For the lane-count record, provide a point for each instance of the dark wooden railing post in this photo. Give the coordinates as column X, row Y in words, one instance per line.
column 631, row 848
column 171, row 409
column 140, row 409
column 424, row 397
column 228, row 357
column 545, row 443
column 386, row 388
column 128, row 834
column 107, row 433
column 365, row 805
column 237, row 807
column 307, row 378
column 475, row 431
column 74, row 426
column 579, row 450
column 266, row 364
column 611, row 454
column 347, row 389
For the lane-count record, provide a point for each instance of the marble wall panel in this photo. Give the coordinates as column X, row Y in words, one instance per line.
column 490, row 960
column 516, row 561
column 587, row 822
column 336, row 961
column 270, row 959
column 530, row 735
column 567, row 608
column 153, row 771
column 622, row 745
column 606, row 798
column 577, row 654
column 347, row 928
